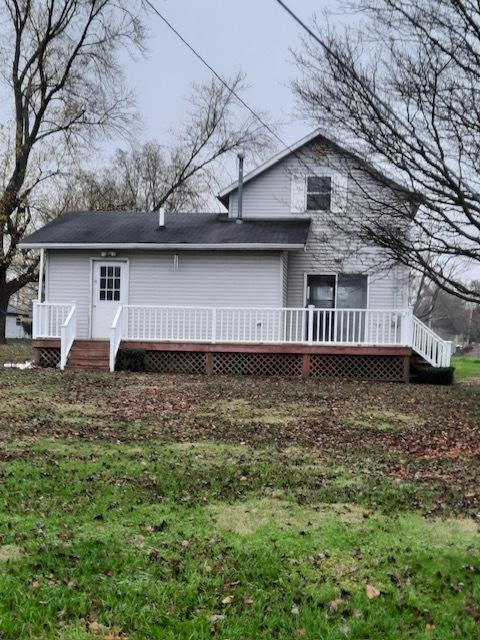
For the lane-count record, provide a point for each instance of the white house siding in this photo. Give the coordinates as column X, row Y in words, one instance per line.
column 68, row 279
column 270, row 194
column 14, row 331
column 203, row 278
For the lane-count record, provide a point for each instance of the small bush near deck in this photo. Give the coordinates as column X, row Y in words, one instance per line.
column 438, row 375
column 131, row 360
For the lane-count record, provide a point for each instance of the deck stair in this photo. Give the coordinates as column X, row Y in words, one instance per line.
column 88, row 355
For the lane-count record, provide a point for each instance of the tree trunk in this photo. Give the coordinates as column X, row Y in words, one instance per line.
column 4, row 300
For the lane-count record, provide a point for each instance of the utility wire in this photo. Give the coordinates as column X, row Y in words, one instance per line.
column 225, row 83
column 303, row 24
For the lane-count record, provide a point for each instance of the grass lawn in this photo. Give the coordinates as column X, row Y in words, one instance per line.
column 466, row 367
column 143, row 506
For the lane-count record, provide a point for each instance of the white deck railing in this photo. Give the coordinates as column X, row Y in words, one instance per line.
column 429, row 345
column 116, row 336
column 48, row 318
column 67, row 336
column 256, row 325
column 53, row 320
column 266, row 325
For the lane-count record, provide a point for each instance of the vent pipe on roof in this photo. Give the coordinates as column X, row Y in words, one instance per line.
column 161, row 217
column 241, row 156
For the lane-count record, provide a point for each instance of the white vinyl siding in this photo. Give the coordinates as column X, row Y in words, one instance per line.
column 68, row 280
column 203, row 278
column 14, row 331
column 281, row 191
column 298, row 197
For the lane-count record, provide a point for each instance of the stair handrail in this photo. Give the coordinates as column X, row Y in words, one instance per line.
column 116, row 333
column 430, row 345
column 67, row 335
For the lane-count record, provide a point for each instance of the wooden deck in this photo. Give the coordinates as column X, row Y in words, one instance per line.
column 386, row 363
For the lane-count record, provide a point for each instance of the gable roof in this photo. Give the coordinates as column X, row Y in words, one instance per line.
column 293, row 148
column 140, row 230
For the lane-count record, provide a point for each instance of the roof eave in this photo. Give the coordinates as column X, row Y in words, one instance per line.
column 256, row 246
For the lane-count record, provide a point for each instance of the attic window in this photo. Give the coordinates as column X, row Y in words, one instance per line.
column 319, row 193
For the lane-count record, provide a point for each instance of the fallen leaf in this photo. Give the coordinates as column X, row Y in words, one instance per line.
column 335, row 604
column 300, row 633
column 372, row 592
column 429, row 627
column 247, row 600
column 216, row 617
column 94, row 626
column 35, row 584
column 228, row 599
column 295, row 610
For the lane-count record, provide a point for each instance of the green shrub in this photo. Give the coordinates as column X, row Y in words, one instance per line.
column 131, row 360
column 436, row 375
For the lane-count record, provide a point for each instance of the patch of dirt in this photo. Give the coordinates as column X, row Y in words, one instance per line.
column 10, row 552
column 385, row 420
column 248, row 517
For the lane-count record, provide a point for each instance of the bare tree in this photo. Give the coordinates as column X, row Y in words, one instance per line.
column 60, row 72
column 404, row 89
column 183, row 173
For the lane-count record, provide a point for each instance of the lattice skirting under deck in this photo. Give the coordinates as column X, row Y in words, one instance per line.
column 278, row 364
column 350, row 366
column 48, row 357
column 175, row 361
column 258, row 364
column 357, row 367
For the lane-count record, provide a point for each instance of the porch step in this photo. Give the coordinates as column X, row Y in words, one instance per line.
column 89, row 355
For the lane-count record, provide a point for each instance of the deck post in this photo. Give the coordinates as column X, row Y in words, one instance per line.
column 214, row 325
column 41, row 270
column 311, row 307
column 406, row 369
column 209, row 363
column 447, row 355
column 407, row 328
column 306, row 360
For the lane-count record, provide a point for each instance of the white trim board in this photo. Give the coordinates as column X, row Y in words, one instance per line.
column 166, row 247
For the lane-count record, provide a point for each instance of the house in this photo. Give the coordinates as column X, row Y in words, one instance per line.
column 270, row 286
column 15, row 323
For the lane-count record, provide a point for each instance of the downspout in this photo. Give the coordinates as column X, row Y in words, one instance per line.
column 239, row 219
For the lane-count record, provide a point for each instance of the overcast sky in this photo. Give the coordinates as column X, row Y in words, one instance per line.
column 252, row 35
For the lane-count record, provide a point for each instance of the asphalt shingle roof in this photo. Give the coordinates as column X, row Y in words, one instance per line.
column 111, row 228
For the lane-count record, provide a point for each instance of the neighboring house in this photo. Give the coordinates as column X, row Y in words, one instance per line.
column 14, row 328
column 279, row 291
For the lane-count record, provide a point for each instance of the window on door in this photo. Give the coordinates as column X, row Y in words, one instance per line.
column 109, row 283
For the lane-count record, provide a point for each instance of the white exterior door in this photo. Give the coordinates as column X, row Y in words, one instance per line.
column 109, row 291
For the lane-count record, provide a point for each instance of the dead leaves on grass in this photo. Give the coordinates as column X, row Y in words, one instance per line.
column 372, row 592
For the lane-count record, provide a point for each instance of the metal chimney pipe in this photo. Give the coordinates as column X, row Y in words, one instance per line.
column 161, row 217
column 241, row 156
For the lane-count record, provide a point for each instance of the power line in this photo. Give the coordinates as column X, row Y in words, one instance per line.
column 216, row 74
column 303, row 24
column 225, row 83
